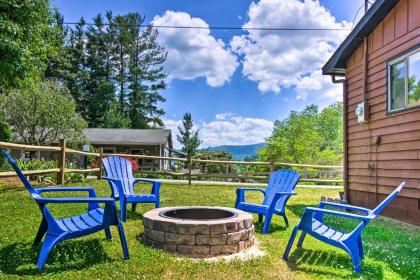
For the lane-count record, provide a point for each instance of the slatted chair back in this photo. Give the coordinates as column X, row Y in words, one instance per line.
column 119, row 168
column 387, row 200
column 280, row 181
column 22, row 177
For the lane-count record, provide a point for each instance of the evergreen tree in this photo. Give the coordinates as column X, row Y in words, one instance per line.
column 146, row 75
column 58, row 60
column 188, row 137
column 75, row 75
column 114, row 71
column 100, row 88
column 119, row 28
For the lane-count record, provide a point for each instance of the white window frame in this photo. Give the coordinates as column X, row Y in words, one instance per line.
column 401, row 58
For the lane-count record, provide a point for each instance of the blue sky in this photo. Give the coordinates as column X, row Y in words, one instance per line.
column 236, row 83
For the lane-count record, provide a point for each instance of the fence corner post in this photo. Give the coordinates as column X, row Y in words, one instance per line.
column 62, row 162
column 101, row 156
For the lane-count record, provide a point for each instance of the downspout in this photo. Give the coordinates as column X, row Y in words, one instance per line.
column 345, row 110
column 365, row 69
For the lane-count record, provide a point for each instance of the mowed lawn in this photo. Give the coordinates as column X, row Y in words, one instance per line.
column 392, row 248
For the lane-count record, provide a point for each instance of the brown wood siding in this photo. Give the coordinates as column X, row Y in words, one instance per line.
column 397, row 157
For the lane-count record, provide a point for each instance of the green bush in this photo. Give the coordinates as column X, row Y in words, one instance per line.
column 48, row 178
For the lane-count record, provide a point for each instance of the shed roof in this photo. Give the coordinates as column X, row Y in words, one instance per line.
column 376, row 13
column 126, row 136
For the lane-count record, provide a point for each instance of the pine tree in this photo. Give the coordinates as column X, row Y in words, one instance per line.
column 119, row 28
column 146, row 75
column 58, row 58
column 76, row 73
column 114, row 71
column 100, row 87
column 188, row 137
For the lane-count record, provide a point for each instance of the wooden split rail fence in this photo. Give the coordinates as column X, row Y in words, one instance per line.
column 63, row 150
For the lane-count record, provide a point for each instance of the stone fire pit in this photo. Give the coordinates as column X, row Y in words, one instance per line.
column 199, row 231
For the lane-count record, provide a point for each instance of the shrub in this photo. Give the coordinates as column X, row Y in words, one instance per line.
column 49, row 178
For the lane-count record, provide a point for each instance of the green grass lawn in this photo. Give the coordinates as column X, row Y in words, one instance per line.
column 392, row 248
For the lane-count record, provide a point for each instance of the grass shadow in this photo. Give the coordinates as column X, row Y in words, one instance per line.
column 273, row 227
column 134, row 215
column 378, row 241
column 298, row 209
column 20, row 258
column 330, row 264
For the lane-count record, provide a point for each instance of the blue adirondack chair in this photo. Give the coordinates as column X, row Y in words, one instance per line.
column 57, row 230
column 280, row 188
column 312, row 223
column 119, row 175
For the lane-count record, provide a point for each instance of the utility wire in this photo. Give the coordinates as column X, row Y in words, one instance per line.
column 358, row 10
column 224, row 27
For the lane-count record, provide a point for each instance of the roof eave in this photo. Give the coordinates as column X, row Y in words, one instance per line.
column 337, row 62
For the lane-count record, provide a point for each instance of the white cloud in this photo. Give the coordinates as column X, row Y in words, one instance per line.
column 223, row 116
column 194, row 53
column 231, row 130
column 289, row 59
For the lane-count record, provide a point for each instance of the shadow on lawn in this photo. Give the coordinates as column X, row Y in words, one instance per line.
column 20, row 258
column 310, row 261
column 334, row 259
column 273, row 227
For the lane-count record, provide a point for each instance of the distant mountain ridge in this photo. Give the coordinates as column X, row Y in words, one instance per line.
column 239, row 152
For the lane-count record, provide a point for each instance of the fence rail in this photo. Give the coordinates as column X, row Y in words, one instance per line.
column 61, row 169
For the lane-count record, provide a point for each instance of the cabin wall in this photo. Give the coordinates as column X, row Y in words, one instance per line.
column 397, row 157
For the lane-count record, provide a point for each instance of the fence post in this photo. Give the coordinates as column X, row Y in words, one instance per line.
column 101, row 156
column 61, row 162
column 272, row 166
column 227, row 168
column 189, row 170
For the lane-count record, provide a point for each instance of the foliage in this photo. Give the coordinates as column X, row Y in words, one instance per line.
column 145, row 74
column 188, row 137
column 114, row 118
column 42, row 112
column 413, row 89
column 309, row 136
column 42, row 164
column 114, row 71
column 391, row 248
column 27, row 40
column 71, row 177
column 240, row 152
column 213, row 167
column 5, row 135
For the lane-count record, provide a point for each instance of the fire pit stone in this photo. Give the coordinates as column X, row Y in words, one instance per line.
column 198, row 231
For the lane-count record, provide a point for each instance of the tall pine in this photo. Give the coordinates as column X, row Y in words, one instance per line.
column 188, row 137
column 100, row 88
column 146, row 75
column 113, row 68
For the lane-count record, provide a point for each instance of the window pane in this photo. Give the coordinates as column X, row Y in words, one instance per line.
column 414, row 79
column 397, row 85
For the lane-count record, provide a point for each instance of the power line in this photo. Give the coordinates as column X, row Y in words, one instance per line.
column 223, row 27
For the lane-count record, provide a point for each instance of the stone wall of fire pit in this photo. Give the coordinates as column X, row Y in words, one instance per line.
column 199, row 237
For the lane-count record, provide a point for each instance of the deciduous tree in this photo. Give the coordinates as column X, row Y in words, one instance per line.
column 27, row 40
column 40, row 113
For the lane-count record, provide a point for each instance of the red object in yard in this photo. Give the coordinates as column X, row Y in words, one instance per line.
column 134, row 164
